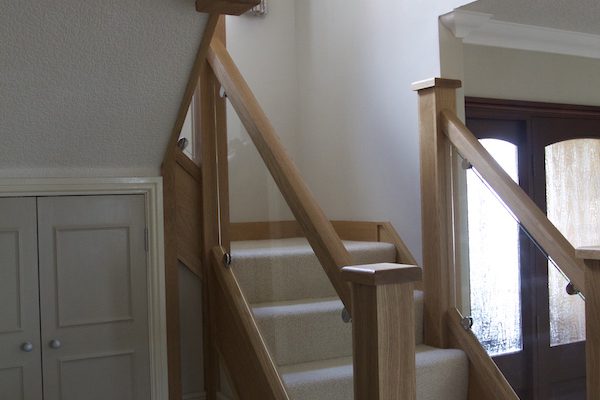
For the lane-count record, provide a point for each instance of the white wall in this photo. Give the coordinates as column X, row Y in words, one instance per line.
column 356, row 137
column 528, row 75
column 92, row 88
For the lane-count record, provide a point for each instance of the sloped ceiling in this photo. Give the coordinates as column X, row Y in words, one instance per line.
column 576, row 16
column 92, row 87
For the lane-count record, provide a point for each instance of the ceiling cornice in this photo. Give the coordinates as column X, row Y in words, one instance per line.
column 481, row 29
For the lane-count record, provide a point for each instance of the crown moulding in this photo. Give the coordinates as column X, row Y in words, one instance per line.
column 482, row 29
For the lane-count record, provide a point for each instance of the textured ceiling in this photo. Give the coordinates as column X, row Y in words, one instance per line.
column 92, row 85
column 571, row 15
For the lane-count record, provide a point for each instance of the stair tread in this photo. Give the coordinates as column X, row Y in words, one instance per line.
column 301, row 306
column 441, row 373
column 295, row 246
column 426, row 356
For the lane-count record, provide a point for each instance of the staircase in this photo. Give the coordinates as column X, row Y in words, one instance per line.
column 299, row 315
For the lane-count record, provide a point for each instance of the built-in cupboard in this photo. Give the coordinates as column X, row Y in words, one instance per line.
column 74, row 298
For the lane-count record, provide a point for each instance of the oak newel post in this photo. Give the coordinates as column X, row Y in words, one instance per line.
column 436, row 95
column 591, row 255
column 383, row 330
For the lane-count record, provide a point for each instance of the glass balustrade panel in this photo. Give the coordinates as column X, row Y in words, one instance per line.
column 494, row 258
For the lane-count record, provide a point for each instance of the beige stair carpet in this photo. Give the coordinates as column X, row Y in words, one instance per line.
column 299, row 315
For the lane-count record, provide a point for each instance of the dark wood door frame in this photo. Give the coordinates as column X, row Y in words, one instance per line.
column 522, row 123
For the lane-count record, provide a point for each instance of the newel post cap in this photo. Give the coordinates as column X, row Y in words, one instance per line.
column 436, row 83
column 382, row 274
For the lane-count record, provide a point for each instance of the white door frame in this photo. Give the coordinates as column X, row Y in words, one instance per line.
column 152, row 190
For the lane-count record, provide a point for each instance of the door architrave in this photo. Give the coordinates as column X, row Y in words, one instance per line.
column 151, row 188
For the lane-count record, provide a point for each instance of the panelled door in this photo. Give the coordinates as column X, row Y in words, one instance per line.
column 566, row 162
column 92, row 325
column 20, row 352
column 556, row 156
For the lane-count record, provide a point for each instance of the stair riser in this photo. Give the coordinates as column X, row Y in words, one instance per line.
column 282, row 279
column 294, row 272
column 298, row 338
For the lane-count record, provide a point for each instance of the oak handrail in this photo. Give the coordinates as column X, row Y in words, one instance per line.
column 245, row 318
column 496, row 385
column 320, row 233
column 527, row 212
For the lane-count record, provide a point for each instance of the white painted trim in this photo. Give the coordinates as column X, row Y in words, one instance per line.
column 152, row 190
column 481, row 29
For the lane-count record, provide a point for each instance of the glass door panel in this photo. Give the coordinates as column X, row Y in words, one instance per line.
column 494, row 259
column 572, row 193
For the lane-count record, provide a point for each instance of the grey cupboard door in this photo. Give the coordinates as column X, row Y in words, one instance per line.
column 93, row 282
column 20, row 353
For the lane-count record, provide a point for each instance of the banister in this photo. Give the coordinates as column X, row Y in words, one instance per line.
column 521, row 205
column 320, row 233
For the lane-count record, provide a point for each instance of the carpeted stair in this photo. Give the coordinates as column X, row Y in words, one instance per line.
column 299, row 315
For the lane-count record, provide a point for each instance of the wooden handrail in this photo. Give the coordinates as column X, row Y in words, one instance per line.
column 243, row 318
column 383, row 335
column 321, row 235
column 521, row 205
column 483, row 367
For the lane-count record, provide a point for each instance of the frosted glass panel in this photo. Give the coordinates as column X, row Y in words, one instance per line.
column 494, row 259
column 573, row 197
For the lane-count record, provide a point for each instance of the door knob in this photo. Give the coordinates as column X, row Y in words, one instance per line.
column 55, row 344
column 27, row 347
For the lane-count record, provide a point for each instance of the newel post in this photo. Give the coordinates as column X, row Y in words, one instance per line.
column 383, row 330
column 591, row 255
column 436, row 95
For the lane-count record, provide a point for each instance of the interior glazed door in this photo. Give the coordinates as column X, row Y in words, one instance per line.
column 20, row 353
column 93, row 279
column 566, row 161
column 559, row 160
